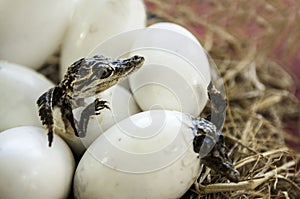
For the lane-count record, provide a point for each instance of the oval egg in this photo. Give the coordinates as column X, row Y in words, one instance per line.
column 20, row 89
column 30, row 169
column 95, row 21
column 149, row 155
column 176, row 72
column 32, row 30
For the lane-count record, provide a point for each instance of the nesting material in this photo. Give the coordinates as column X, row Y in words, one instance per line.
column 261, row 102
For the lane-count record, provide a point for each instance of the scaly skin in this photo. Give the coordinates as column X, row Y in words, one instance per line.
column 85, row 78
column 89, row 76
column 209, row 141
column 210, row 145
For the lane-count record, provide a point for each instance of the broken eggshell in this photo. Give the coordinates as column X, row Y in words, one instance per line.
column 149, row 155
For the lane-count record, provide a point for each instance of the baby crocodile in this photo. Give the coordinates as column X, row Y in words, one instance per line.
column 85, row 78
column 89, row 76
column 210, row 145
column 209, row 141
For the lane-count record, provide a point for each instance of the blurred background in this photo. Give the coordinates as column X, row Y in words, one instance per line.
column 233, row 28
column 266, row 33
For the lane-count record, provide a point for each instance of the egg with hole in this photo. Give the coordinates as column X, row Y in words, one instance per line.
column 148, row 155
column 176, row 72
column 121, row 104
column 30, row 169
column 95, row 21
column 20, row 88
column 32, row 30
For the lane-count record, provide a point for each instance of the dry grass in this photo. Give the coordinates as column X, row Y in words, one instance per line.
column 259, row 92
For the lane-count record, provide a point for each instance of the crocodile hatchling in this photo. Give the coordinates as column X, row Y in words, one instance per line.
column 84, row 78
column 209, row 141
column 89, row 76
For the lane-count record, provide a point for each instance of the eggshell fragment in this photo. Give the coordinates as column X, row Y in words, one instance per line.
column 30, row 169
column 149, row 155
column 20, row 88
column 32, row 30
column 95, row 21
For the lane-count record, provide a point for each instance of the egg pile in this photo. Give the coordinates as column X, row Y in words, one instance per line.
column 142, row 146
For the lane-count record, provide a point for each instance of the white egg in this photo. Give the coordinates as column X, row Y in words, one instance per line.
column 176, row 28
column 30, row 169
column 32, row 30
column 176, row 72
column 122, row 105
column 20, row 88
column 94, row 21
column 149, row 155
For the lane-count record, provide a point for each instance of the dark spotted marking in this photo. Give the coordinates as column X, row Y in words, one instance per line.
column 84, row 78
column 209, row 141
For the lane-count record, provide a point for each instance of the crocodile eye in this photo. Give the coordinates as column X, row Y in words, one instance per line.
column 104, row 73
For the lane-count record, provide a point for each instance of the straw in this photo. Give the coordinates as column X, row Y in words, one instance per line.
column 240, row 36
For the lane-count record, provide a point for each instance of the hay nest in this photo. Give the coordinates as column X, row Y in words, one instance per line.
column 241, row 36
column 262, row 108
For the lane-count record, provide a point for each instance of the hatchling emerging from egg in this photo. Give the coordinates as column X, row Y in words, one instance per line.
column 209, row 141
column 84, row 78
column 89, row 76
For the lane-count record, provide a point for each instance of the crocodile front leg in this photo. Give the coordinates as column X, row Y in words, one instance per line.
column 93, row 108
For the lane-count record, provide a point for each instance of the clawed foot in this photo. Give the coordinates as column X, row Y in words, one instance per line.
column 93, row 108
column 99, row 105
